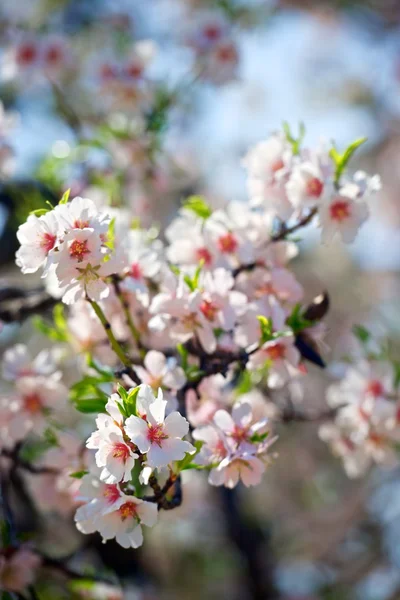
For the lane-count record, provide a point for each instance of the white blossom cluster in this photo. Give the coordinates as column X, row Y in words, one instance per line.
column 182, row 338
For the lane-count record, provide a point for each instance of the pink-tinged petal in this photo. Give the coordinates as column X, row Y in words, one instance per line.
column 176, row 425
column 224, row 421
column 136, row 429
column 216, row 476
column 174, row 379
column 156, row 412
column 232, row 476
column 241, row 413
column 155, row 363
column 136, row 537
column 251, row 474
column 207, row 338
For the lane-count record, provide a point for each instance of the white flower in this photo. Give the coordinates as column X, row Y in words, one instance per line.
column 280, row 356
column 341, row 214
column 242, row 466
column 159, row 371
column 121, row 520
column 81, row 213
column 158, row 437
column 37, row 237
column 17, row 362
column 80, row 266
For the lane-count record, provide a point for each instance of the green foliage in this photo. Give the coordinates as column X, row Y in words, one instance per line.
column 58, row 332
column 110, row 243
column 87, row 395
column 157, row 118
column 78, row 474
column 130, row 402
column 295, row 142
column 187, row 461
column 341, row 160
column 245, row 384
column 193, row 282
column 199, row 206
column 361, row 333
column 296, row 320
column 65, row 197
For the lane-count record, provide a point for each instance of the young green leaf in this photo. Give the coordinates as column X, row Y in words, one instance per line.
column 199, row 206
column 65, row 197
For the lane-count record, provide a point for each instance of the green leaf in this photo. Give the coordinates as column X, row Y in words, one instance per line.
column 245, row 383
column 361, row 333
column 90, row 405
column 183, row 464
column 5, row 534
column 199, row 206
column 266, row 329
column 295, row 142
column 122, row 391
column 78, row 474
column 183, row 353
column 259, row 437
column 341, row 160
column 65, row 197
column 48, row 330
column 110, row 243
column 39, row 212
column 396, row 382
column 130, row 402
column 296, row 321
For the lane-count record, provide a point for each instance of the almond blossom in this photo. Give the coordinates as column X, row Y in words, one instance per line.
column 38, row 236
column 280, row 357
column 157, row 436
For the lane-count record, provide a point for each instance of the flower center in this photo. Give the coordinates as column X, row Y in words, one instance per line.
column 33, row 403
column 205, row 255
column 212, row 32
column 227, row 54
column 136, row 271
column 277, row 165
column 276, row 352
column 120, row 451
column 47, row 242
column 314, row 187
column 227, row 243
column 134, row 70
column 80, row 224
column 26, row 54
column 128, row 510
column 374, row 388
column 111, row 493
column 78, row 250
column 209, row 310
column 340, row 210
column 156, row 435
column 53, row 55
column 239, row 434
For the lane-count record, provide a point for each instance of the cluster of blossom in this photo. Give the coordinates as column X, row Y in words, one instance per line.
column 188, row 320
column 216, row 52
column 366, row 403
column 37, row 394
column 289, row 180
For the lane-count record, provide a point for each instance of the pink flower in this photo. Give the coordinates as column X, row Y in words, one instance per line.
column 158, row 437
column 38, row 236
column 19, row 569
column 280, row 357
column 341, row 215
column 158, row 371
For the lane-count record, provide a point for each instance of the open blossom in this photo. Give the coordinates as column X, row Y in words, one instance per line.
column 235, row 447
column 157, row 436
column 160, row 371
column 310, row 180
column 341, row 214
column 280, row 357
column 17, row 362
column 114, row 455
column 38, row 236
column 80, row 266
column 124, row 522
column 27, row 408
column 18, row 569
column 81, row 213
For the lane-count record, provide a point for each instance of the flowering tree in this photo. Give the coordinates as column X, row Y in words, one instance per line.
column 169, row 350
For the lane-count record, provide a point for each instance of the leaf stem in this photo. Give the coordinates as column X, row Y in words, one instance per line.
column 115, row 345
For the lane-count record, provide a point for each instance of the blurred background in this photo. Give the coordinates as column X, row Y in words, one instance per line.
column 71, row 121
